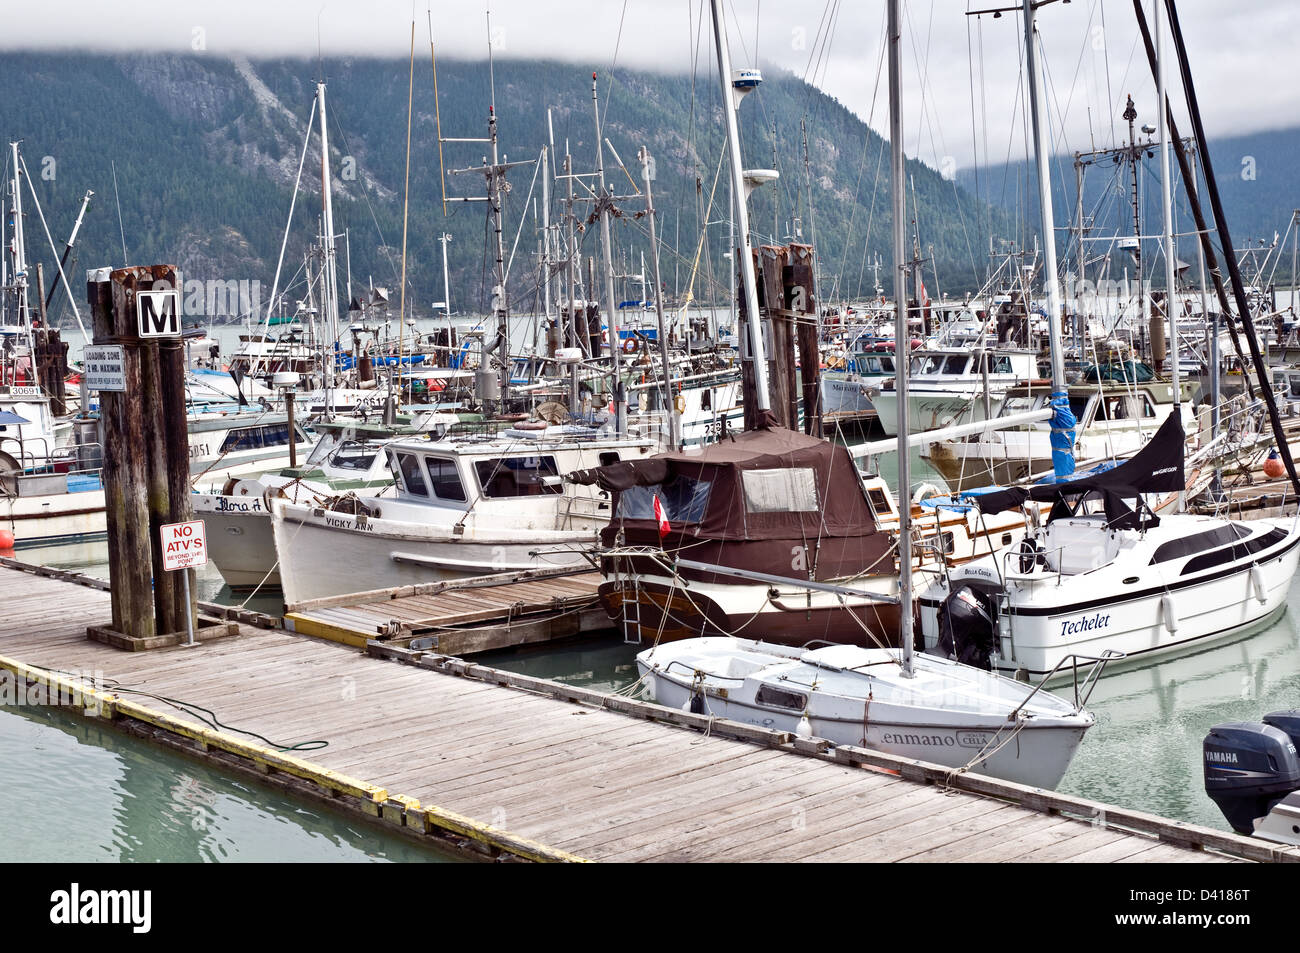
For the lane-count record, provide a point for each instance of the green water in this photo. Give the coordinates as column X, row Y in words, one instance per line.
column 72, row 791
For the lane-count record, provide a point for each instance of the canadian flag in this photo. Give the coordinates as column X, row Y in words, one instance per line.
column 925, row 296
column 660, row 518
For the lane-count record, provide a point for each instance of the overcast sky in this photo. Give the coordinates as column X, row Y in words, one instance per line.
column 963, row 98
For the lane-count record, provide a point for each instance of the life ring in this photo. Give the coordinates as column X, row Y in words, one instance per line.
column 629, row 346
column 925, row 491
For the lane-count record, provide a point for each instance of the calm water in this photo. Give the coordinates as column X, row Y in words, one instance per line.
column 71, row 791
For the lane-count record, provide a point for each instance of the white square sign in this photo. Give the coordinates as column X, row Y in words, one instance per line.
column 185, row 545
column 158, row 313
column 103, row 367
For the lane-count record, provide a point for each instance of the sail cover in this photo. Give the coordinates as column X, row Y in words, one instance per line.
column 1156, row 468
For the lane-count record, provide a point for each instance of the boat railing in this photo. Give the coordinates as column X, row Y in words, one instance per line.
column 1082, row 690
column 1041, row 560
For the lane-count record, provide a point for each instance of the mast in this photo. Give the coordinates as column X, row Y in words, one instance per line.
column 603, row 200
column 1167, row 203
column 901, row 353
column 1063, row 421
column 329, row 277
column 674, row 422
column 20, row 282
column 741, row 211
column 1229, row 253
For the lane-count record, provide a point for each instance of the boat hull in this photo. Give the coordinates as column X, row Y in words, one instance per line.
column 326, row 553
column 1037, row 756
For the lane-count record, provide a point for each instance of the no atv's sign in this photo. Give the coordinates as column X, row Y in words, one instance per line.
column 184, row 545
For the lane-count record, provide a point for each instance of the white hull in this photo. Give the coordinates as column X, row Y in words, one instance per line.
column 42, row 519
column 945, row 714
column 1152, row 611
column 240, row 541
column 324, row 553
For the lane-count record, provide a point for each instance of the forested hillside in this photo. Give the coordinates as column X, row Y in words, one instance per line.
column 205, row 151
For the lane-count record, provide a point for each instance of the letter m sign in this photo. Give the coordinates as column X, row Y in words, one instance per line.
column 158, row 313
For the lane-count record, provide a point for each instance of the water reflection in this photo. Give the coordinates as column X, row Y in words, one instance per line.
column 73, row 791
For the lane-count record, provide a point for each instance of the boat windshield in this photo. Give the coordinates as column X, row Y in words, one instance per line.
column 517, row 476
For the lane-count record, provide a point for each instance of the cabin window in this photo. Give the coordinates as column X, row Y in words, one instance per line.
column 783, row 490
column 412, row 476
column 1199, row 542
column 957, row 364
column 879, row 502
column 1148, row 409
column 683, row 500
column 706, row 399
column 445, row 479
column 517, row 476
column 1001, row 364
column 887, row 365
column 353, row 455
column 1079, row 407
column 256, row 438
column 775, row 697
column 942, row 543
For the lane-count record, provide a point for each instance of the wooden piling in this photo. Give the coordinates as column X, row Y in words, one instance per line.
column 146, row 454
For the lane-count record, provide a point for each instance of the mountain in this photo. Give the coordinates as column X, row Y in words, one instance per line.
column 1258, row 178
column 205, row 151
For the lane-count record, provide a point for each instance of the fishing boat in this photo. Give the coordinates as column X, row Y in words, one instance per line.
column 1105, row 573
column 945, row 385
column 462, row 506
column 943, row 712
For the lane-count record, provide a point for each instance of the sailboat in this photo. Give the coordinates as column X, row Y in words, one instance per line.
column 888, row 699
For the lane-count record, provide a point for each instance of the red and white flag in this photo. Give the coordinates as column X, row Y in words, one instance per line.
column 660, row 518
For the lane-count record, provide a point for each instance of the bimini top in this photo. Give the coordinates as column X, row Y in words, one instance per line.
column 749, row 501
column 1156, row 468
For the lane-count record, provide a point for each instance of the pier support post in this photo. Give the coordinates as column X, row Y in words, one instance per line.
column 146, row 454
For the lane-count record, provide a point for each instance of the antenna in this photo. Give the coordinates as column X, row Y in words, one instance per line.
column 437, row 117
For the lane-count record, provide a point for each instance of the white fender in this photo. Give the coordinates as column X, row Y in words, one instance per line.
column 1169, row 613
column 1257, row 583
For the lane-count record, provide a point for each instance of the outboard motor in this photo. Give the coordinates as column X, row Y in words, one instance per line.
column 1287, row 721
column 967, row 631
column 1249, row 768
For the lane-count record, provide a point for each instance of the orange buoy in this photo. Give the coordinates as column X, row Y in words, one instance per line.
column 6, row 542
column 1273, row 465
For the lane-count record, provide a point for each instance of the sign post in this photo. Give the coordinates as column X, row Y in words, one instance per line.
column 185, row 547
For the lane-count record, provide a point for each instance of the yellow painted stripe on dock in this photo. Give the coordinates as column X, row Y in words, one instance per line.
column 306, row 625
column 408, row 810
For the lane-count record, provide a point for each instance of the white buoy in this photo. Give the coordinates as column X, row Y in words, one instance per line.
column 804, row 728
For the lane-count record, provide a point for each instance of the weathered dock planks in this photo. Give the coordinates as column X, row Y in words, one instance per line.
column 461, row 617
column 539, row 770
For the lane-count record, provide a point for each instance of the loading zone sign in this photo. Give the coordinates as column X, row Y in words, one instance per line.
column 185, row 545
column 102, row 366
column 158, row 313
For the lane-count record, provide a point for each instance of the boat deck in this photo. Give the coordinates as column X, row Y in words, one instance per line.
column 518, row 767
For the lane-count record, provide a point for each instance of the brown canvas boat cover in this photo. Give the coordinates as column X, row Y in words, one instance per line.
column 745, row 474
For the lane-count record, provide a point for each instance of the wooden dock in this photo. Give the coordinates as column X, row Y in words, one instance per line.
column 460, row 617
column 518, row 767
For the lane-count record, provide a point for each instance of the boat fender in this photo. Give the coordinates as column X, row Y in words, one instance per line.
column 1169, row 613
column 695, row 704
column 1257, row 583
column 804, row 728
column 679, row 402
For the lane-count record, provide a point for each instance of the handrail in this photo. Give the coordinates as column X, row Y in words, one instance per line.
column 1089, row 682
